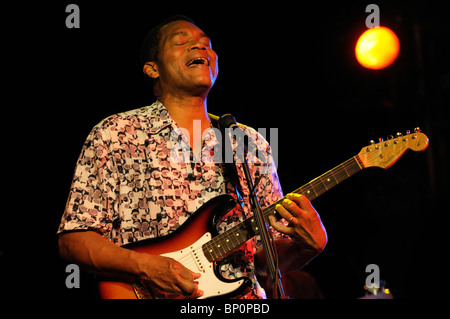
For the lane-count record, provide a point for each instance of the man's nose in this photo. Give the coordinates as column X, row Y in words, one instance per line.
column 197, row 45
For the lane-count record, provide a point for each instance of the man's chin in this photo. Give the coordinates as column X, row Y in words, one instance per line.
column 202, row 87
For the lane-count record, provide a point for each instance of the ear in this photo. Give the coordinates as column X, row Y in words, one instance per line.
column 151, row 69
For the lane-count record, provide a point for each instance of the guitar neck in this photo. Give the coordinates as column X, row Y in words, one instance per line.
column 226, row 242
column 326, row 181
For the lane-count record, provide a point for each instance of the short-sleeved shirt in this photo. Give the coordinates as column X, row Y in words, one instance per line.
column 137, row 178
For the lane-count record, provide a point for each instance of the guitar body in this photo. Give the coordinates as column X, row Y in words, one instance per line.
column 185, row 246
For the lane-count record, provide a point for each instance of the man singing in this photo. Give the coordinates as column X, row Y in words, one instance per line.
column 127, row 187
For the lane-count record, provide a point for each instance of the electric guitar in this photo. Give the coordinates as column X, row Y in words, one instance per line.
column 197, row 246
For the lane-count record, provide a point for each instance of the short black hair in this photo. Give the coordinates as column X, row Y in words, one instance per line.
column 150, row 45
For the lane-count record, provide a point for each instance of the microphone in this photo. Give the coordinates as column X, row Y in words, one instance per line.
column 227, row 125
column 227, row 121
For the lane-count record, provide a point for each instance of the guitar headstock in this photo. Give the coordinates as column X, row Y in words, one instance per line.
column 385, row 153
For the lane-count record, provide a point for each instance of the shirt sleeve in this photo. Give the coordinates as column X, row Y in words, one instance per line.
column 92, row 197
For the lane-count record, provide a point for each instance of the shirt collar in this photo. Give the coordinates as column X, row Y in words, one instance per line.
column 160, row 119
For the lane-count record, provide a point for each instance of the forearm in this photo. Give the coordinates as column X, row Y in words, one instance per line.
column 97, row 255
column 291, row 257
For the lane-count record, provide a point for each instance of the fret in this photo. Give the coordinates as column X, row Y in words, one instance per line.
column 341, row 174
column 209, row 251
column 319, row 186
column 346, row 171
column 220, row 249
column 228, row 243
column 307, row 190
column 328, row 180
column 358, row 165
column 332, row 177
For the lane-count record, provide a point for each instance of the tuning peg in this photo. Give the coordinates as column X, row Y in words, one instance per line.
column 408, row 132
column 371, row 142
column 380, row 140
column 417, row 130
column 397, row 135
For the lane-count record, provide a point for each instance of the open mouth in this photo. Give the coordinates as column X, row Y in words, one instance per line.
column 198, row 61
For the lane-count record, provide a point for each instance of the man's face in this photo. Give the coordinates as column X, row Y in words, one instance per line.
column 186, row 60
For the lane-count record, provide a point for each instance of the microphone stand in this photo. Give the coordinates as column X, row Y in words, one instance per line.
column 267, row 240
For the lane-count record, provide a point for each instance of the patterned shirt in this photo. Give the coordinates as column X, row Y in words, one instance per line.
column 130, row 184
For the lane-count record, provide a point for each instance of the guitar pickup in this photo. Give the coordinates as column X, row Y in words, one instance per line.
column 196, row 255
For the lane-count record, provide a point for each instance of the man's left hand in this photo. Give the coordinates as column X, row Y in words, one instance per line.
column 305, row 226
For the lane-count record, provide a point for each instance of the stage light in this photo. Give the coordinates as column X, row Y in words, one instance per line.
column 377, row 48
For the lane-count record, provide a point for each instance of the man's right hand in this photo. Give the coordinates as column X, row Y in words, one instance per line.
column 169, row 276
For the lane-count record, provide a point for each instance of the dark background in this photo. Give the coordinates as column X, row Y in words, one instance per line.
column 286, row 65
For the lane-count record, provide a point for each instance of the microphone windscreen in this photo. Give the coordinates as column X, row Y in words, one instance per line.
column 226, row 121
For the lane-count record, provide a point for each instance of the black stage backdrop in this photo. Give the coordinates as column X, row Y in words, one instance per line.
column 285, row 65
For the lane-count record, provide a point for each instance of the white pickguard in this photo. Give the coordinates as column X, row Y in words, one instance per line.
column 192, row 257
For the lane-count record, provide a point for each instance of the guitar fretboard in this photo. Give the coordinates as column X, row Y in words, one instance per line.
column 235, row 237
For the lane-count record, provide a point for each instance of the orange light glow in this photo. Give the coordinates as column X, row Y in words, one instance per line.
column 377, row 48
